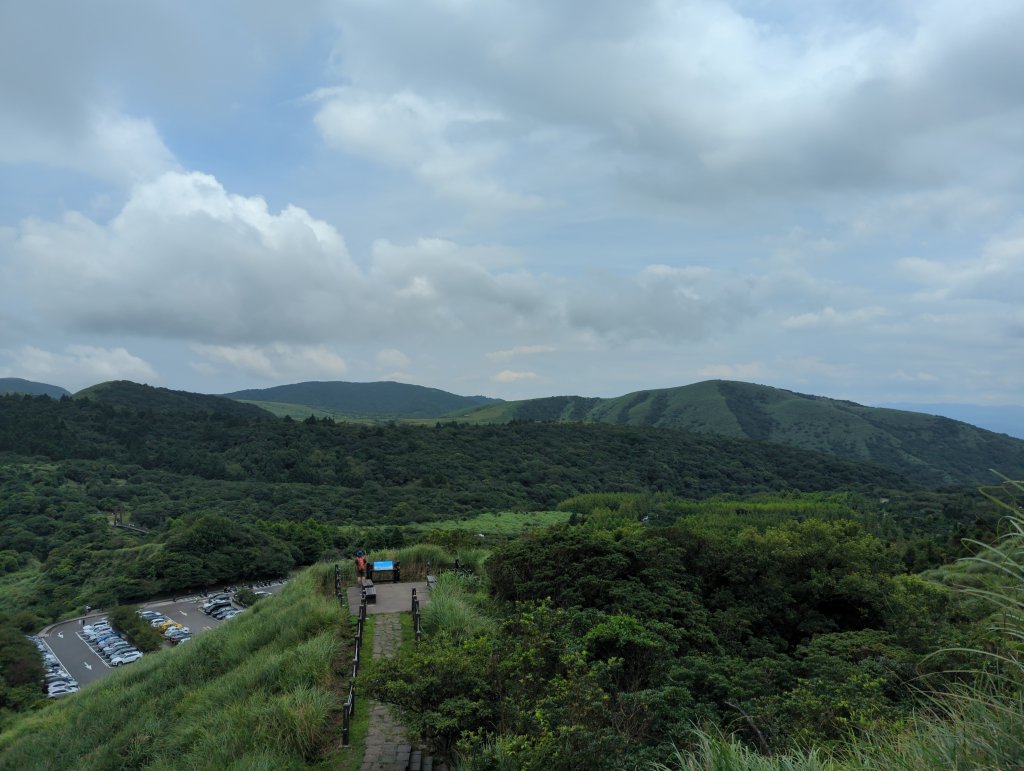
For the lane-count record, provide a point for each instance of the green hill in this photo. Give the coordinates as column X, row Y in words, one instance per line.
column 926, row 448
column 261, row 692
column 382, row 400
column 124, row 393
column 15, row 385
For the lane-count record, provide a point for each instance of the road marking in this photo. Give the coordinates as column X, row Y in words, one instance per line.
column 87, row 665
column 60, row 635
column 183, row 613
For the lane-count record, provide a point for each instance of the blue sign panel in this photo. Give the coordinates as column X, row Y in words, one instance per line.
column 389, row 565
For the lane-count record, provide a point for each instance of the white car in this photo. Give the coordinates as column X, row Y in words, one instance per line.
column 126, row 658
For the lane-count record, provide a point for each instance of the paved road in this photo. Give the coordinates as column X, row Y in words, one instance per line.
column 86, row 666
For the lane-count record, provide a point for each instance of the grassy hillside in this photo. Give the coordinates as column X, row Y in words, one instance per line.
column 15, row 385
column 363, row 400
column 260, row 692
column 926, row 448
column 124, row 393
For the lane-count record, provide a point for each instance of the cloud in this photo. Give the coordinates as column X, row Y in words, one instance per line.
column 707, row 99
column 184, row 259
column 392, row 359
column 76, row 366
column 109, row 145
column 661, row 302
column 995, row 274
column 520, row 350
column 272, row 362
column 749, row 371
column 511, row 376
column 830, row 317
column 407, row 131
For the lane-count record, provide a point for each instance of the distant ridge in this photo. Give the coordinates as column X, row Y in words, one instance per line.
column 1005, row 419
column 124, row 393
column 15, row 385
column 383, row 399
column 928, row 449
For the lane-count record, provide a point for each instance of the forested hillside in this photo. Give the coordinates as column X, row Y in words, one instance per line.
column 124, row 393
column 927, row 449
column 234, row 496
column 15, row 385
column 385, row 399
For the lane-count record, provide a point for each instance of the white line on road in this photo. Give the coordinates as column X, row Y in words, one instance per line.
column 183, row 613
column 60, row 635
column 87, row 665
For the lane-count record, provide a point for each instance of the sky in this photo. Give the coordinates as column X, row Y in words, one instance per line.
column 516, row 199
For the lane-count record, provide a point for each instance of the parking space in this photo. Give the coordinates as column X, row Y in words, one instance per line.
column 84, row 664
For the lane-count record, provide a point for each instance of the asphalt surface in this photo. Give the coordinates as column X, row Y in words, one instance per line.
column 87, row 666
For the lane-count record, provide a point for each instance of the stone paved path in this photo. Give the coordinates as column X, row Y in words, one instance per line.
column 387, row 748
column 391, row 598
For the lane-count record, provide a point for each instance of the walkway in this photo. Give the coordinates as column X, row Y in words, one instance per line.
column 387, row 748
column 391, row 598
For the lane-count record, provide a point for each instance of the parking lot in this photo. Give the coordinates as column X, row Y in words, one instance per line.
column 86, row 666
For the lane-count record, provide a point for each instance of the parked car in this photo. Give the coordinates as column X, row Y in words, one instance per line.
column 126, row 658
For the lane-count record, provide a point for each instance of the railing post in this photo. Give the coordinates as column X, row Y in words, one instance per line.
column 346, row 717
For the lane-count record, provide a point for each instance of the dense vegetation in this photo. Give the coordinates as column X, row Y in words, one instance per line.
column 927, row 449
column 606, row 644
column 707, row 590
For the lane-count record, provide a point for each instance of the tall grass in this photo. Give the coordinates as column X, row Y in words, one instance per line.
column 259, row 692
column 415, row 558
column 452, row 610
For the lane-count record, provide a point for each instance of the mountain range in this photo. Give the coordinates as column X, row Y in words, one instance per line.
column 382, row 400
column 16, row 385
column 927, row 449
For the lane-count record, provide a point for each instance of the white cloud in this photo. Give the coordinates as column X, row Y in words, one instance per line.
column 109, row 145
column 830, row 317
column 76, row 366
column 996, row 274
column 392, row 359
column 520, row 350
column 706, row 99
column 271, row 362
column 410, row 132
column 185, row 259
column 511, row 376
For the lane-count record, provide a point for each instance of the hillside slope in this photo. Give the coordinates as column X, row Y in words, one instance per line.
column 15, row 385
column 124, row 393
column 385, row 399
column 260, row 692
column 926, row 448
column 1002, row 419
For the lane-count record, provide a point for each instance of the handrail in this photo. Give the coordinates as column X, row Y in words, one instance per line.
column 349, row 707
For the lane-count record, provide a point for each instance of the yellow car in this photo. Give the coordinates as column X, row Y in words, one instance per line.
column 167, row 625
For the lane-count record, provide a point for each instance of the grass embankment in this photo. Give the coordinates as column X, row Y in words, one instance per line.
column 261, row 692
